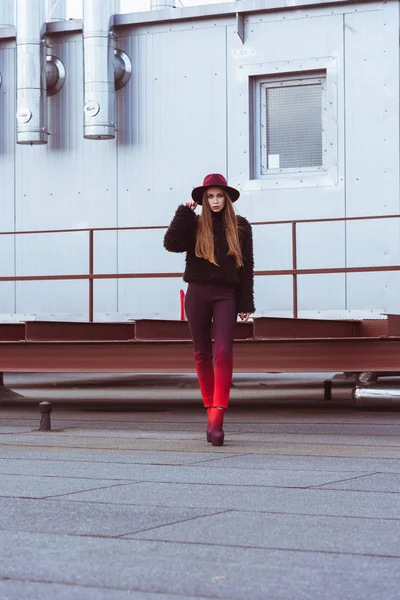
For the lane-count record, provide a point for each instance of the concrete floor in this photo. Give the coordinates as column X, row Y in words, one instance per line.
column 125, row 499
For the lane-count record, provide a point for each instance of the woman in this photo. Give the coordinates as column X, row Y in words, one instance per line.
column 220, row 273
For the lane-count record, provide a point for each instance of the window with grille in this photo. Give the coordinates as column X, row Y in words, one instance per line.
column 289, row 115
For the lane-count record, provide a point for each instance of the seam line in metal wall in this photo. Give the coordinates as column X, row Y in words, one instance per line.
column 117, row 122
column 344, row 160
column 227, row 107
column 15, row 187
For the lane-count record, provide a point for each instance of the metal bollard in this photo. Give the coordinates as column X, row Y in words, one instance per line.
column 327, row 389
column 45, row 410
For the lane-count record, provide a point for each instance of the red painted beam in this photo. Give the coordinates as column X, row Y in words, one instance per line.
column 12, row 332
column 159, row 329
column 281, row 327
column 287, row 355
column 393, row 324
column 54, row 331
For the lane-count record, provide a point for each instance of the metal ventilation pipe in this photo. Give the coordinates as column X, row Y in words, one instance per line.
column 162, row 4
column 98, row 56
column 31, row 73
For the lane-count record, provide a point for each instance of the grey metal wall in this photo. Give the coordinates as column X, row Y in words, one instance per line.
column 7, row 175
column 184, row 113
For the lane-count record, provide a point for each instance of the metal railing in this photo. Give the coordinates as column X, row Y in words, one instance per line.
column 294, row 271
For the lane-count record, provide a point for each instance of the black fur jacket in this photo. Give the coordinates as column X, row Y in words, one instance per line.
column 181, row 237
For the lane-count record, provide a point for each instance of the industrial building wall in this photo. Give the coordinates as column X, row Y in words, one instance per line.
column 188, row 110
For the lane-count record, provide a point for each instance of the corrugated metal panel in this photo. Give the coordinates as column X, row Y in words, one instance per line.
column 172, row 132
column 185, row 112
column 377, row 291
column 156, row 298
column 267, row 44
column 272, row 247
column 275, row 46
column 372, row 154
column 372, row 112
column 7, row 145
column 273, row 294
column 69, row 183
column 7, row 12
column 321, row 245
column 321, row 292
column 171, row 120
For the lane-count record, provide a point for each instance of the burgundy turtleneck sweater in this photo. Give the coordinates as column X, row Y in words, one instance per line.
column 181, row 237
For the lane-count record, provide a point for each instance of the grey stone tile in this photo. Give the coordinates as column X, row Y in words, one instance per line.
column 307, row 463
column 305, row 501
column 30, row 590
column 40, row 487
column 318, row 438
column 7, row 429
column 112, row 456
column 355, row 430
column 291, row 532
column 67, row 469
column 201, row 570
column 378, row 482
column 196, row 443
column 80, row 518
column 174, row 474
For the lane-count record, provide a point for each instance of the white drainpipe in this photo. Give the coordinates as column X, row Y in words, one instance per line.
column 31, row 72
column 99, row 86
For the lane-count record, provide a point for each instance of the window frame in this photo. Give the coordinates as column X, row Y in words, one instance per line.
column 260, row 90
column 241, row 127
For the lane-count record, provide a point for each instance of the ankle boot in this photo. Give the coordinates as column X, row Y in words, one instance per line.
column 216, row 423
column 208, row 430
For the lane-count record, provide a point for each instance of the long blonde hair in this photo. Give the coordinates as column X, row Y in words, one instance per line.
column 205, row 235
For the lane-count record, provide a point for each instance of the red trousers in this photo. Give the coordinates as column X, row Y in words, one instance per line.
column 206, row 304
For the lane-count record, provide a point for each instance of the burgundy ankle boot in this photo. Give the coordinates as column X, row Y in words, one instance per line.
column 216, row 423
column 208, row 430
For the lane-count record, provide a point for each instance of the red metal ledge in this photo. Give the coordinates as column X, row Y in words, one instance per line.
column 251, row 356
column 163, row 329
column 12, row 332
column 281, row 327
column 54, row 331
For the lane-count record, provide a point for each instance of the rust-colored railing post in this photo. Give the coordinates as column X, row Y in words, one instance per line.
column 294, row 267
column 91, row 262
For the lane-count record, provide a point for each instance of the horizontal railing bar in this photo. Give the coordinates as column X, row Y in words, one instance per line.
column 172, row 275
column 150, row 227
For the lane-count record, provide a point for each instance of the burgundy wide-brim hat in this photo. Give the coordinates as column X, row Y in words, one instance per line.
column 214, row 180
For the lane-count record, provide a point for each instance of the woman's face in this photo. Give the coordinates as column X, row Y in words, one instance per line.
column 216, row 199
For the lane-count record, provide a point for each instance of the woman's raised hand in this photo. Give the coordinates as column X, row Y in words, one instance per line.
column 190, row 204
column 244, row 317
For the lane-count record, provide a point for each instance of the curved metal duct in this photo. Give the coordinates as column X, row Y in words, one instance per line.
column 379, row 396
column 31, row 73
column 371, row 393
column 98, row 56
